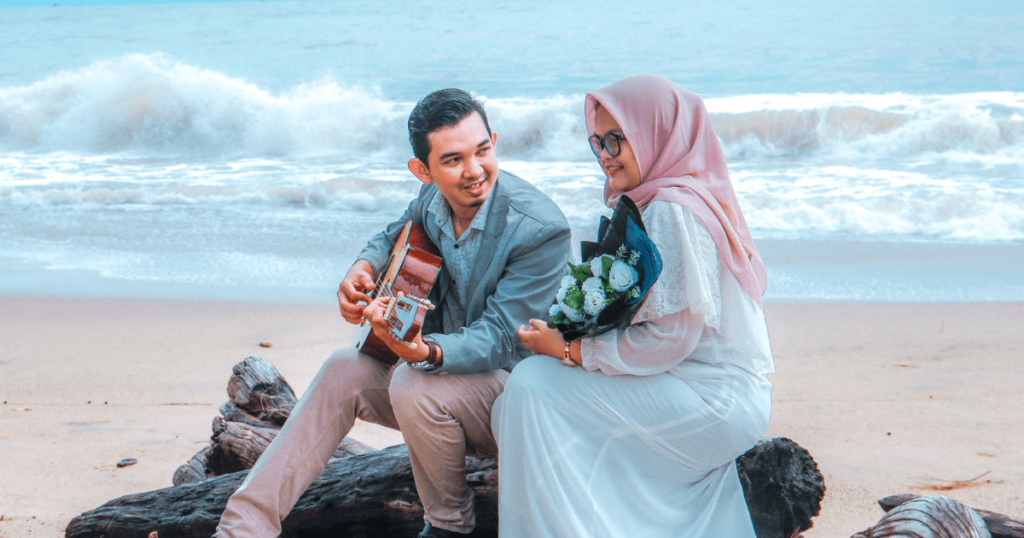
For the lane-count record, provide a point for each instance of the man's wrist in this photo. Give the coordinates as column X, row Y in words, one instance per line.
column 431, row 351
column 434, row 358
column 440, row 356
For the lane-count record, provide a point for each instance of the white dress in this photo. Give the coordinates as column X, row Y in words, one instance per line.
column 642, row 441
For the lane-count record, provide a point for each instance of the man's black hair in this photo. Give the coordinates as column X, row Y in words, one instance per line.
column 442, row 108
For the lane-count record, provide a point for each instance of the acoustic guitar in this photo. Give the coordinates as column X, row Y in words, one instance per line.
column 412, row 270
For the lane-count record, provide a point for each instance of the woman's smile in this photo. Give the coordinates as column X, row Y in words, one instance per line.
column 610, row 169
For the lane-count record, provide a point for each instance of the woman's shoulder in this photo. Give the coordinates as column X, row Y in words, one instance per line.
column 671, row 219
column 661, row 209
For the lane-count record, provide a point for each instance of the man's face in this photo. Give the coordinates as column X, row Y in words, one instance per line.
column 463, row 164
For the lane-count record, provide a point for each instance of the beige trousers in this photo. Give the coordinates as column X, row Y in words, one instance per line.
column 443, row 417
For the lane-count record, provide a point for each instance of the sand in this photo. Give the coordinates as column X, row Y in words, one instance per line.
column 888, row 398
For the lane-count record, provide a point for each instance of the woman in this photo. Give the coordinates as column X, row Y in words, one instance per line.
column 641, row 440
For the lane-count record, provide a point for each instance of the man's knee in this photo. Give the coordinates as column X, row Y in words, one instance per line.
column 341, row 357
column 342, row 360
column 409, row 392
column 347, row 368
column 415, row 393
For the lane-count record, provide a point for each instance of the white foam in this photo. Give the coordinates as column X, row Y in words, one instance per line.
column 154, row 105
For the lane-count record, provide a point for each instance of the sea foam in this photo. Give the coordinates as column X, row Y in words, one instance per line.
column 153, row 104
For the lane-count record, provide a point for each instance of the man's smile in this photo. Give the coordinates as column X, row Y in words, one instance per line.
column 476, row 188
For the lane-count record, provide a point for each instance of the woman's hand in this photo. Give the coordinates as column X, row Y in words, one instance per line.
column 541, row 339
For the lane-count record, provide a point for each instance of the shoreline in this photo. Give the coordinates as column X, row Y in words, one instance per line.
column 799, row 270
column 888, row 397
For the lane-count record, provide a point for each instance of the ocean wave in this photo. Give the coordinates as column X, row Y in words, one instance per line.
column 888, row 218
column 873, row 126
column 339, row 193
column 152, row 104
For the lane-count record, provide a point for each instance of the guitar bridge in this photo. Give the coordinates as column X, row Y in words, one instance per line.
column 401, row 315
column 422, row 302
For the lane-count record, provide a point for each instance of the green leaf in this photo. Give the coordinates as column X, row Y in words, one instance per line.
column 606, row 266
column 557, row 320
column 575, row 299
column 581, row 273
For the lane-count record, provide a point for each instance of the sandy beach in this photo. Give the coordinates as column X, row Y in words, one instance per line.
column 888, row 398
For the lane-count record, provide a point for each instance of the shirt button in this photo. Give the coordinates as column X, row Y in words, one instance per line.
column 456, row 245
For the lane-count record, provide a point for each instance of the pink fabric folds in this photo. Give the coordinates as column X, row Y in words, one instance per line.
column 681, row 161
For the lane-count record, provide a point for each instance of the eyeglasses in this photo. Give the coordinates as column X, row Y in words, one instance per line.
column 610, row 141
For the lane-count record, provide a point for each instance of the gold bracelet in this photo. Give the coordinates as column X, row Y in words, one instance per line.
column 566, row 359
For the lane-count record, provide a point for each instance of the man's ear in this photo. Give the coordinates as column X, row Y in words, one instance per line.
column 420, row 170
column 494, row 139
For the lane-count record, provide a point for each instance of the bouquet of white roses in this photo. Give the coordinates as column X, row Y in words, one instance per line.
column 606, row 290
column 591, row 286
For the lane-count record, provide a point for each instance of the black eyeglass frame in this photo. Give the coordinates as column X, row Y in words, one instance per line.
column 599, row 143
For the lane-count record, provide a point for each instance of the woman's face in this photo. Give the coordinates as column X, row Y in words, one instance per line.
column 622, row 170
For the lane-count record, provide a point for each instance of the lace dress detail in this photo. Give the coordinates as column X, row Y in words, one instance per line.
column 691, row 270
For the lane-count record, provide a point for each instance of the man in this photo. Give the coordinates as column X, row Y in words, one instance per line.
column 505, row 247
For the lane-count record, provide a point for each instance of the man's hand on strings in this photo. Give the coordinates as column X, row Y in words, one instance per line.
column 374, row 313
column 352, row 293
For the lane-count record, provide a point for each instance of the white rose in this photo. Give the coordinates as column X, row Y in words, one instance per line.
column 592, row 284
column 593, row 304
column 571, row 313
column 567, row 282
column 622, row 276
column 554, row 310
column 597, row 265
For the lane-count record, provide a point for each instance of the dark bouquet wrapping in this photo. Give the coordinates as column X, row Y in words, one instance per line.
column 606, row 290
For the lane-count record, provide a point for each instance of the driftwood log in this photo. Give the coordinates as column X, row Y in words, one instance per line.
column 369, row 495
column 259, row 402
column 932, row 516
column 940, row 517
column 366, row 493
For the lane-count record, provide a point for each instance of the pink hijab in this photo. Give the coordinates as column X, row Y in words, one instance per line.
column 681, row 161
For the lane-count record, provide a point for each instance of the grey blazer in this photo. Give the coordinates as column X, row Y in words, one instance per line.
column 521, row 262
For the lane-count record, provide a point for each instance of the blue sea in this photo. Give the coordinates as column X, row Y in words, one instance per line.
column 246, row 151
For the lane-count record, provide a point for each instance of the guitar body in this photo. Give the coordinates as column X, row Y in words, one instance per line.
column 412, row 270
